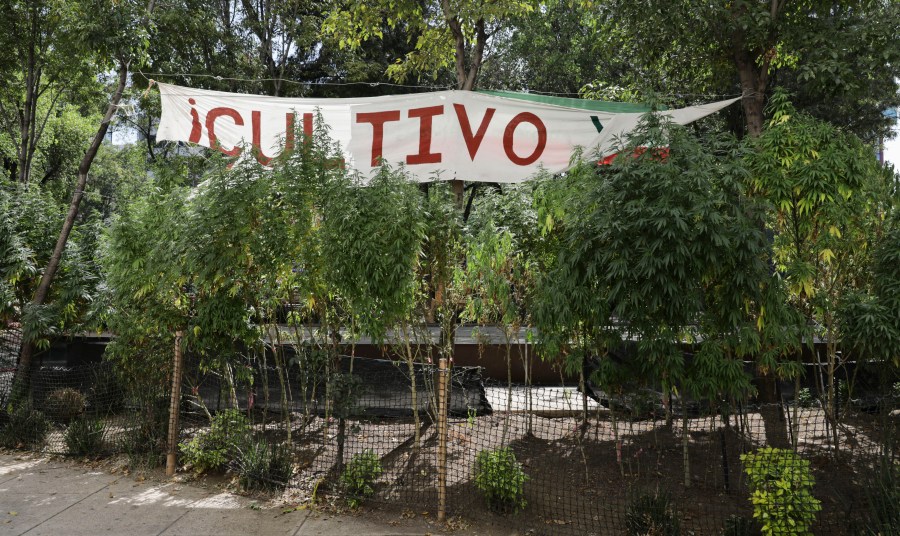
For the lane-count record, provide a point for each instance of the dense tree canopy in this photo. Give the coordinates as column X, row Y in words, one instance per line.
column 733, row 246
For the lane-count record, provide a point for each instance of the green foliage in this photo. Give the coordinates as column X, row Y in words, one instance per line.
column 64, row 405
column 817, row 48
column 868, row 315
column 805, row 398
column 26, row 428
column 652, row 515
column 664, row 247
column 263, row 465
column 500, row 478
column 145, row 441
column 84, row 437
column 106, row 393
column 781, row 491
column 359, row 476
column 371, row 238
column 212, row 449
column 883, row 492
column 739, row 526
column 436, row 28
column 29, row 223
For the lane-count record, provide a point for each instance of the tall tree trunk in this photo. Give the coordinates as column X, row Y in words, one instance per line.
column 753, row 88
column 25, row 112
column 40, row 295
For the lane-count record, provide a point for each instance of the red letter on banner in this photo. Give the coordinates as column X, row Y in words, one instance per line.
column 473, row 142
column 377, row 119
column 289, row 132
column 211, row 117
column 511, row 129
column 425, row 115
column 260, row 157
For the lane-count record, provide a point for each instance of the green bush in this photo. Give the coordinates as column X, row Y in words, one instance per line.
column 26, row 428
column 651, row 515
column 213, row 449
column 805, row 398
column 884, row 501
column 501, row 479
column 358, row 478
column 781, row 491
column 145, row 443
column 739, row 526
column 263, row 466
column 85, row 437
column 64, row 405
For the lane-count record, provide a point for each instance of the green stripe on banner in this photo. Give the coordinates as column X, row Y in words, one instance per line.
column 582, row 104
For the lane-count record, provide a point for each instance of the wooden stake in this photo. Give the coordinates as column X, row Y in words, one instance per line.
column 443, row 376
column 458, row 190
column 174, row 407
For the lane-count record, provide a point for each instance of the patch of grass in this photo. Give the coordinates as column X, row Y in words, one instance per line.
column 652, row 515
column 263, row 465
column 85, row 437
column 26, row 428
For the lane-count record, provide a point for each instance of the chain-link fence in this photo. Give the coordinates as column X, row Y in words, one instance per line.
column 548, row 459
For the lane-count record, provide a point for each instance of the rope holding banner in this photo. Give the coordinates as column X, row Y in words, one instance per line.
column 149, row 87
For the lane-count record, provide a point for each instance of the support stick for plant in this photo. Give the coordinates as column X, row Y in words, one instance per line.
column 174, row 407
column 685, row 439
column 443, row 376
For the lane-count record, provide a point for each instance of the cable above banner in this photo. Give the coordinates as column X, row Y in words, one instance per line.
column 437, row 136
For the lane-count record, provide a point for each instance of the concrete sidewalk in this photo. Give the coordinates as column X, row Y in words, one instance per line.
column 40, row 496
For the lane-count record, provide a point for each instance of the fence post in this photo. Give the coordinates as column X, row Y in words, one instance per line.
column 443, row 376
column 174, row 407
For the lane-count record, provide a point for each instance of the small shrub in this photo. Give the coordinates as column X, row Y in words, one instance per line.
column 651, row 515
column 263, row 466
column 781, row 491
column 145, row 443
column 501, row 479
column 739, row 526
column 25, row 428
column 358, row 478
column 85, row 437
column 64, row 405
column 884, row 500
column 805, row 398
column 213, row 449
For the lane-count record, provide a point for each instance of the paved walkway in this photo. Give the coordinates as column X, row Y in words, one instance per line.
column 40, row 496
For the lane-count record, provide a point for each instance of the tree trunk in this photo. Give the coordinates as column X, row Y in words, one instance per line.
column 772, row 415
column 40, row 295
column 753, row 87
column 25, row 112
column 685, row 440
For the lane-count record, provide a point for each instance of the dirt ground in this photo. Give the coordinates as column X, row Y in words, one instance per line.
column 582, row 478
column 581, row 482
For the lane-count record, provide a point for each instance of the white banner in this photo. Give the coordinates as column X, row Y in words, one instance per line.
column 437, row 136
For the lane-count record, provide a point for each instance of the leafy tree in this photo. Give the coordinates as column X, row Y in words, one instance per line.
column 447, row 34
column 105, row 48
column 29, row 221
column 372, row 235
column 663, row 248
column 830, row 200
column 816, row 47
column 46, row 64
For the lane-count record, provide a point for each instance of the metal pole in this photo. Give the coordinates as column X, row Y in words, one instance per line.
column 174, row 407
column 443, row 376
